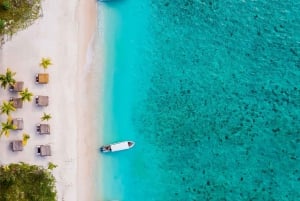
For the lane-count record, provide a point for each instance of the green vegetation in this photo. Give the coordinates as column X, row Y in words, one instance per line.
column 2, row 23
column 7, row 107
column 7, row 78
column 16, row 15
column 26, row 95
column 5, row 5
column 45, row 63
column 51, row 166
column 25, row 138
column 46, row 117
column 24, row 182
column 7, row 127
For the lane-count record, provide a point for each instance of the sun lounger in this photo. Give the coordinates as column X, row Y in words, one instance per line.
column 42, row 78
column 17, row 87
column 43, row 150
column 17, row 145
column 42, row 100
column 18, row 123
column 17, row 102
column 43, row 129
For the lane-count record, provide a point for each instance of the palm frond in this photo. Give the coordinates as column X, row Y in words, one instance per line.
column 46, row 117
column 25, row 139
column 45, row 62
column 7, row 78
column 7, row 107
column 26, row 95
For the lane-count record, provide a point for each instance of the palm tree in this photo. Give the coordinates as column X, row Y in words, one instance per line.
column 45, row 62
column 46, row 117
column 26, row 137
column 7, row 78
column 26, row 95
column 7, row 107
column 6, row 127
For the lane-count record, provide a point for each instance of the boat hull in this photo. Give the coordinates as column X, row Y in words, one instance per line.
column 119, row 146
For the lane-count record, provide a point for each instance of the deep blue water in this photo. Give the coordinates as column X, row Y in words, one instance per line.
column 210, row 92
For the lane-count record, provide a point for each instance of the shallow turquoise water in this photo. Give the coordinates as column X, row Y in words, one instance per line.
column 210, row 92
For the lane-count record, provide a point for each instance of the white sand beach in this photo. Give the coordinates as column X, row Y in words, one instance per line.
column 65, row 34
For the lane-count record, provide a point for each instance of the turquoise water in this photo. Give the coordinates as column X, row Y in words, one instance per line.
column 210, row 92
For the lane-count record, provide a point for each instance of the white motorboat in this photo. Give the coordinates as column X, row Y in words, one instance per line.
column 119, row 146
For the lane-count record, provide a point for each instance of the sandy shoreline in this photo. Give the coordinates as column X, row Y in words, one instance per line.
column 65, row 33
column 88, row 82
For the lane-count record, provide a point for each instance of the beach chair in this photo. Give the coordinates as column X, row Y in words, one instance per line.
column 18, row 123
column 43, row 150
column 17, row 87
column 42, row 78
column 43, row 129
column 17, row 102
column 42, row 100
column 17, row 145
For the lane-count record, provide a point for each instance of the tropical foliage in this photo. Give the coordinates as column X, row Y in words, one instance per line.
column 51, row 166
column 26, row 95
column 5, row 5
column 24, row 182
column 7, row 78
column 16, row 15
column 45, row 63
column 26, row 137
column 46, row 117
column 7, row 107
column 6, row 127
column 2, row 24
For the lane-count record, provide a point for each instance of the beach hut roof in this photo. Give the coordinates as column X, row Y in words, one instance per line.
column 17, row 87
column 44, row 150
column 42, row 78
column 17, row 102
column 42, row 100
column 17, row 145
column 43, row 128
column 18, row 123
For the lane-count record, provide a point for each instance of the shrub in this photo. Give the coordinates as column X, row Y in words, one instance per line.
column 18, row 15
column 5, row 5
column 2, row 23
column 26, row 182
